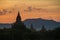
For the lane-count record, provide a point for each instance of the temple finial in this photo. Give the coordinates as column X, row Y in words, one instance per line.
column 18, row 17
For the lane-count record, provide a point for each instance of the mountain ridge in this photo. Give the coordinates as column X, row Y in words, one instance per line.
column 37, row 23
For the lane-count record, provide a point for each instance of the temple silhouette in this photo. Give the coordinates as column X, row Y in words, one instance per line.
column 19, row 25
column 43, row 29
column 19, row 28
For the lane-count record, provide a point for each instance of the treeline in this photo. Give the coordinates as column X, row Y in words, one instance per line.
column 9, row 34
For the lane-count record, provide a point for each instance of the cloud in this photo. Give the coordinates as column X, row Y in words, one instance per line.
column 35, row 9
column 1, row 13
column 29, row 9
column 6, row 11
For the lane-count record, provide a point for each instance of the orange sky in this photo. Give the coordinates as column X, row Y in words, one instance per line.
column 46, row 9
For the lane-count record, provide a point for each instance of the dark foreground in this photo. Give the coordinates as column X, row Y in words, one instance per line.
column 9, row 34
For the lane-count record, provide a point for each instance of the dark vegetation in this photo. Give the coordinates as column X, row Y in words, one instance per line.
column 9, row 34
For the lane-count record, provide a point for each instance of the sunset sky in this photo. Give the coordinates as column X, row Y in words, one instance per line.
column 46, row 9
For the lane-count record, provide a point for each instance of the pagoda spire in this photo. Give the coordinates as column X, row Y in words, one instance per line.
column 18, row 28
column 18, row 17
column 18, row 25
column 43, row 29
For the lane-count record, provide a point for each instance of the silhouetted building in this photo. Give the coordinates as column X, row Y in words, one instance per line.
column 18, row 29
column 18, row 25
column 43, row 29
column 32, row 28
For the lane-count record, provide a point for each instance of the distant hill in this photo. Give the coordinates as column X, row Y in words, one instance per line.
column 37, row 23
column 2, row 25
